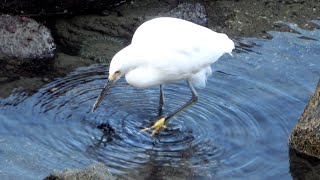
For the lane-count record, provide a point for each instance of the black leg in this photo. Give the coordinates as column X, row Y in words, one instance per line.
column 160, row 124
column 161, row 102
column 193, row 99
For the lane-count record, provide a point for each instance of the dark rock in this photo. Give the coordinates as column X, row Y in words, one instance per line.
column 64, row 63
column 30, row 83
column 95, row 37
column 100, row 37
column 305, row 137
column 255, row 18
column 96, row 171
column 3, row 79
column 303, row 166
column 50, row 7
column 26, row 85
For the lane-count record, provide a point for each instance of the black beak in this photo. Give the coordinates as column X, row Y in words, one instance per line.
column 103, row 93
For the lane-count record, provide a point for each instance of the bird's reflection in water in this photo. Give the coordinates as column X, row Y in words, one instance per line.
column 303, row 166
column 163, row 165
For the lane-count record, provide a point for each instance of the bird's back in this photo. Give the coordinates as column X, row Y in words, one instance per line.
column 177, row 49
column 166, row 32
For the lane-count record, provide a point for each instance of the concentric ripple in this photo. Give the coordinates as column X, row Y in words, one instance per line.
column 239, row 128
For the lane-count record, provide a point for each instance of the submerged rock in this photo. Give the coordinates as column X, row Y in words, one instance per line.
column 64, row 63
column 305, row 137
column 15, row 82
column 97, row 171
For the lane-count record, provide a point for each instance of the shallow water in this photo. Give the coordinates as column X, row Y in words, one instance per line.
column 238, row 129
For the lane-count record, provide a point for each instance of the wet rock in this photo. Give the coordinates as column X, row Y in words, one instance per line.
column 97, row 171
column 61, row 65
column 25, row 46
column 26, row 85
column 305, row 137
column 303, row 166
column 3, row 79
column 45, row 80
column 64, row 63
column 254, row 18
column 100, row 37
column 50, row 7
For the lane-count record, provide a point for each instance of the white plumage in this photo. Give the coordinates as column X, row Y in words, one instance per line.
column 165, row 50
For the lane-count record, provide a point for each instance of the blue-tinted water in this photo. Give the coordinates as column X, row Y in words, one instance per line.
column 238, row 129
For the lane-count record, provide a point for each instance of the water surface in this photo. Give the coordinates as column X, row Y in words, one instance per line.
column 238, row 129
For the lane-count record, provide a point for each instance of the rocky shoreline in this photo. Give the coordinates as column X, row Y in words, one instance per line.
column 305, row 137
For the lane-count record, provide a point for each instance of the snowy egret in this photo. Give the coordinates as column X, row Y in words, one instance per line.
column 165, row 50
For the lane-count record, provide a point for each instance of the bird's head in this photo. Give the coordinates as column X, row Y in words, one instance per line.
column 122, row 62
column 120, row 65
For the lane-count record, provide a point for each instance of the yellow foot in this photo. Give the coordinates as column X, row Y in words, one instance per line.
column 157, row 126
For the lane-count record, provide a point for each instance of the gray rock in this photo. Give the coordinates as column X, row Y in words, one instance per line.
column 305, row 137
column 26, row 47
column 194, row 12
column 97, row 171
column 23, row 38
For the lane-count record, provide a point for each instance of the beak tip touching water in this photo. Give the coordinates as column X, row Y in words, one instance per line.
column 93, row 109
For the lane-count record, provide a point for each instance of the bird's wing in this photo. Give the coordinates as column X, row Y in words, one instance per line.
column 176, row 63
column 178, row 46
column 173, row 32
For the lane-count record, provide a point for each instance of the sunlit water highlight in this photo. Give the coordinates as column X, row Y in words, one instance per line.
column 239, row 128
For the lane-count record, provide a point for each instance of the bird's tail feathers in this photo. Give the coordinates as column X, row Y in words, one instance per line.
column 199, row 79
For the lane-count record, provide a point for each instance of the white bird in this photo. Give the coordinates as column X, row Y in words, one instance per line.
column 165, row 50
